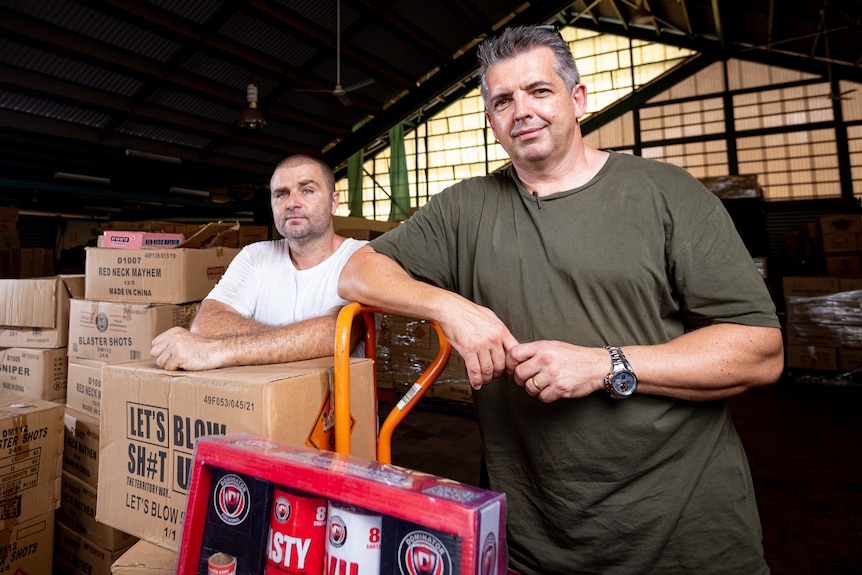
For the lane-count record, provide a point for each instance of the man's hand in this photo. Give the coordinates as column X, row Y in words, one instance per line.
column 178, row 348
column 552, row 370
column 480, row 337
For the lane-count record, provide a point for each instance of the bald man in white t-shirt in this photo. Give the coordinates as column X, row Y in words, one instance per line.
column 277, row 302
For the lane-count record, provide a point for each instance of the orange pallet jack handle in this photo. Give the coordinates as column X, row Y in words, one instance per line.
column 341, row 383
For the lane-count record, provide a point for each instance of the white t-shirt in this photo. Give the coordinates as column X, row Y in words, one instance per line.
column 262, row 283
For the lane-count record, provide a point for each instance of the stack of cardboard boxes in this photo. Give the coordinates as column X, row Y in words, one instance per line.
column 131, row 295
column 35, row 319
column 841, row 237
column 405, row 348
column 51, row 393
column 824, row 313
column 150, row 418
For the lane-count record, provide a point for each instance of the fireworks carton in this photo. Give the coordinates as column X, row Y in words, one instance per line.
column 150, row 419
column 34, row 372
column 116, row 332
column 177, row 275
column 31, row 458
column 379, row 518
column 28, row 547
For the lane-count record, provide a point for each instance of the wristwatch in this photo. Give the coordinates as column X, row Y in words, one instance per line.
column 621, row 382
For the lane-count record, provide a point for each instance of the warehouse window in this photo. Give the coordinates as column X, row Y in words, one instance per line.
column 457, row 143
column 686, row 119
column 795, row 106
column 793, row 165
column 702, row 159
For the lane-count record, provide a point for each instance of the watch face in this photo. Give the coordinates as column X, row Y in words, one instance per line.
column 624, row 382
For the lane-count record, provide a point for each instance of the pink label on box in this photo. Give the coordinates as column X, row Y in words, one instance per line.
column 135, row 240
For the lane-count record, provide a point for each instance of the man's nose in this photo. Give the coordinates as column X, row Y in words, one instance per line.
column 521, row 106
column 291, row 201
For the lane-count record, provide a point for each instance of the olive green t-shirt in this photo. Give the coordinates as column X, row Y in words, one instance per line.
column 638, row 255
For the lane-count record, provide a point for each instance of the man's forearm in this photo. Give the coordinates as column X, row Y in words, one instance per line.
column 215, row 319
column 714, row 362
column 302, row 340
column 378, row 281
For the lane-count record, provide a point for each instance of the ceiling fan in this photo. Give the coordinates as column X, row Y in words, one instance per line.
column 340, row 91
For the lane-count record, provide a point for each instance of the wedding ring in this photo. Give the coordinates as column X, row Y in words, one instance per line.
column 536, row 385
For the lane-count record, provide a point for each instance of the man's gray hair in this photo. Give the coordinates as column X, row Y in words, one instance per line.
column 517, row 40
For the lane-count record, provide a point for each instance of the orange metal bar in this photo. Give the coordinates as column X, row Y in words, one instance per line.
column 341, row 376
column 416, row 391
column 341, row 384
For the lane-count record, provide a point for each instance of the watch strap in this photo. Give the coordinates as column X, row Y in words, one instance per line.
column 618, row 359
column 618, row 363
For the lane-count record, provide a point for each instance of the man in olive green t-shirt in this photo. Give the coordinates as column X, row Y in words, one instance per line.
column 605, row 308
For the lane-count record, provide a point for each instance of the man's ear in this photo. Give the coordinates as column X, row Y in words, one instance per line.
column 579, row 95
column 336, row 197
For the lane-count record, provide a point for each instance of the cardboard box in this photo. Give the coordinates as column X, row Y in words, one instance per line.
column 31, row 457
column 74, row 554
column 810, row 286
column 84, row 386
column 136, row 239
column 811, row 357
column 841, row 242
column 35, row 312
column 178, row 275
column 844, row 265
column 34, row 372
column 460, row 526
column 27, row 548
column 81, row 448
column 151, row 417
column 840, row 223
column 116, row 332
column 145, row 558
column 850, row 284
column 78, row 511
